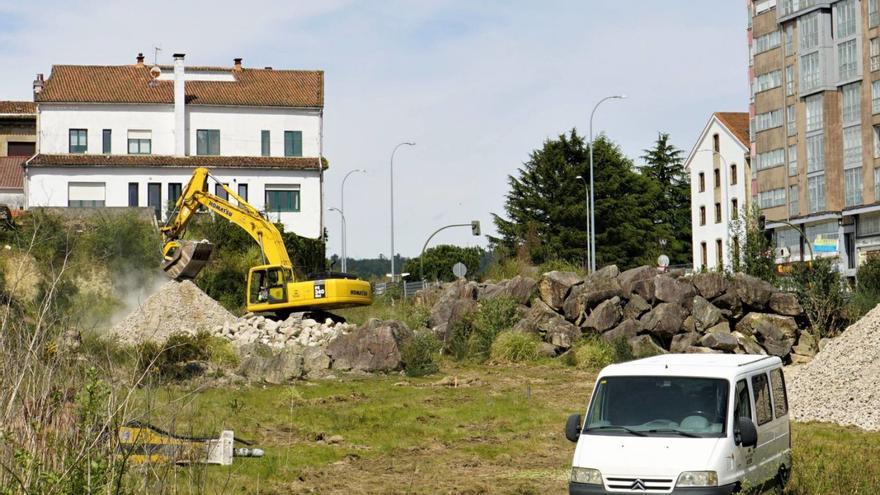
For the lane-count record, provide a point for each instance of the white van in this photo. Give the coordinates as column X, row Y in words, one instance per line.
column 683, row 423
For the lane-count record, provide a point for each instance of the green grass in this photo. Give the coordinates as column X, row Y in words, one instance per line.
column 500, row 431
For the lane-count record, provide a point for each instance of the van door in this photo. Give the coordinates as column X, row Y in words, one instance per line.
column 764, row 458
column 781, row 425
column 743, row 457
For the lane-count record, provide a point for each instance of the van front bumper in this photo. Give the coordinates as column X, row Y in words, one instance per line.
column 585, row 489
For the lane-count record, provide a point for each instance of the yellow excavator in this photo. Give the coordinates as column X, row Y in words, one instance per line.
column 271, row 286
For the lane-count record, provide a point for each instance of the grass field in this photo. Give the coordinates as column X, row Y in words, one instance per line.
column 498, row 431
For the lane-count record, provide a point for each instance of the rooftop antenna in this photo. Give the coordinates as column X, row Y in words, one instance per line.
column 155, row 71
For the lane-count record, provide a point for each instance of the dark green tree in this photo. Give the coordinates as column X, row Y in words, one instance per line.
column 439, row 261
column 672, row 216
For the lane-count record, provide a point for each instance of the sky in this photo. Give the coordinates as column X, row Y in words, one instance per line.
column 476, row 85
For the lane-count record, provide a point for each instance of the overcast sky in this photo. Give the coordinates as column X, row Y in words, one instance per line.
column 477, row 85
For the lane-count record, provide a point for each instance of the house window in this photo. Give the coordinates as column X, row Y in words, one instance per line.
column 851, row 98
column 873, row 16
column 282, row 198
column 846, row 18
column 154, row 198
column 717, row 212
column 220, row 191
column 733, row 174
column 716, row 143
column 771, row 198
column 789, row 80
column 768, row 120
column 808, row 27
column 877, row 141
column 702, row 182
column 816, row 192
column 877, row 185
column 793, row 207
column 734, row 207
column 852, row 180
column 847, row 59
column 702, row 215
column 78, row 140
column 717, row 174
column 85, row 194
column 208, row 142
column 293, row 143
column 133, row 194
column 703, row 254
column 791, row 120
column 174, row 191
column 718, row 253
column 874, row 48
column 875, row 97
column 770, row 159
column 852, row 146
column 810, row 71
column 789, row 38
column 243, row 191
column 767, row 81
column 106, row 134
column 264, row 143
column 814, row 113
column 767, row 42
column 140, row 142
column 816, row 153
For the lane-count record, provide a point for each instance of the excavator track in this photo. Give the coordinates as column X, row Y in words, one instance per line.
column 185, row 262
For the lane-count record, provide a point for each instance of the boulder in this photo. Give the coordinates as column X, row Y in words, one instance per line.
column 728, row 301
column 262, row 363
column 518, row 288
column 701, row 350
column 721, row 327
column 710, row 284
column 542, row 320
column 705, row 313
column 555, row 286
column 644, row 346
column 773, row 339
column 720, row 341
column 689, row 324
column 594, row 290
column 639, row 281
column 668, row 289
column 799, row 359
column 752, row 291
column 608, row 271
column 664, row 321
column 749, row 344
column 635, row 307
column 785, row 303
column 806, row 345
column 457, row 301
column 627, row 330
column 561, row 333
column 315, row 361
column 682, row 341
column 536, row 318
column 606, row 315
column 752, row 322
column 546, row 349
column 374, row 346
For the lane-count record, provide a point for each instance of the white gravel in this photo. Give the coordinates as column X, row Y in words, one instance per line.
column 842, row 383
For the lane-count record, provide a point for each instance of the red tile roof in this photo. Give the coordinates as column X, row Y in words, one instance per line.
column 133, row 84
column 11, row 172
column 135, row 161
column 738, row 123
column 18, row 107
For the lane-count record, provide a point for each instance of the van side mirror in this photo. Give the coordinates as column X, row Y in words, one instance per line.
column 745, row 433
column 573, row 428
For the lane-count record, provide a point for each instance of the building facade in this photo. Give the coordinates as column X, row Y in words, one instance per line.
column 131, row 136
column 815, row 128
column 18, row 137
column 718, row 165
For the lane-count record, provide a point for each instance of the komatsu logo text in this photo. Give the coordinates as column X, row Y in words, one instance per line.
column 216, row 207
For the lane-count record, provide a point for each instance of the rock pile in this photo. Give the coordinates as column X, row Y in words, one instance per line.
column 840, row 384
column 655, row 312
column 295, row 330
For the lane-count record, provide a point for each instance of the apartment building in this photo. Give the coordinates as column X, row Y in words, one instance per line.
column 18, row 136
column 718, row 165
column 815, row 126
column 131, row 135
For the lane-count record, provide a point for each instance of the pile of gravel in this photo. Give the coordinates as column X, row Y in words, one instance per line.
column 294, row 331
column 840, row 385
column 174, row 307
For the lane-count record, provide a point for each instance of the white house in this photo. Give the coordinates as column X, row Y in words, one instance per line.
column 131, row 135
column 720, row 177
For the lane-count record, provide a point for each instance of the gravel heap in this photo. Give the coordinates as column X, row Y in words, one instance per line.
column 175, row 307
column 840, row 385
column 295, row 330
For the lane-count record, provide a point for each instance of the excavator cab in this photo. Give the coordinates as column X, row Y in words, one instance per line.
column 268, row 284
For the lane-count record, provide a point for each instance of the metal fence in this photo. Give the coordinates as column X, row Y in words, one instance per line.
column 405, row 289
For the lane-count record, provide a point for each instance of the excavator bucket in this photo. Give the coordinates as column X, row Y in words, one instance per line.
column 187, row 260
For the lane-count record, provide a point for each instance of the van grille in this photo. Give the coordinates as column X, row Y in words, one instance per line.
column 639, row 484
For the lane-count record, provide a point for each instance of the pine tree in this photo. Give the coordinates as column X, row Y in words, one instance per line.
column 672, row 215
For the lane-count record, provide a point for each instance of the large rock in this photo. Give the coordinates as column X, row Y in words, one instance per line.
column 668, row 289
column 519, row 288
column 689, row 324
column 374, row 346
column 806, row 345
column 457, row 301
column 721, row 327
column 561, row 333
column 315, row 361
column 720, row 341
column 749, row 344
column 594, row 290
column 635, row 307
column 753, row 291
column 606, row 315
column 644, row 346
column 543, row 321
column 627, row 330
column 702, row 350
column 608, row 271
column 555, row 286
column 639, row 281
column 682, row 341
column 664, row 321
column 262, row 363
column 710, row 284
column 705, row 313
column 753, row 322
column 729, row 302
column 774, row 340
column 785, row 303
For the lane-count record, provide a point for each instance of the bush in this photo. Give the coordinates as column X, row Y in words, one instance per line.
column 515, row 347
column 419, row 354
column 171, row 360
column 822, row 295
column 458, row 336
column 867, row 293
column 594, row 354
column 494, row 316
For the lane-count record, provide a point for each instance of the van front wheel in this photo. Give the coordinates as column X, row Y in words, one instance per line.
column 783, row 476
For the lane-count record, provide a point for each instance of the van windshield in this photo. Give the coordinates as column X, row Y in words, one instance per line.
column 658, row 406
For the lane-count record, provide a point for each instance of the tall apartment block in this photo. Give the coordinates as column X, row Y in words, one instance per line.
column 815, row 126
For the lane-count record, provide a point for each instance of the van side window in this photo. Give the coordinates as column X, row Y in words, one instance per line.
column 743, row 405
column 780, row 397
column 761, row 389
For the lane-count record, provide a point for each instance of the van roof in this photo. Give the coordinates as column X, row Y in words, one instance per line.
column 704, row 365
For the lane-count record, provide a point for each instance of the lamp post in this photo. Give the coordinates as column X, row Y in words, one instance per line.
column 341, row 215
column 725, row 197
column 587, row 201
column 342, row 210
column 392, row 204
column 592, row 205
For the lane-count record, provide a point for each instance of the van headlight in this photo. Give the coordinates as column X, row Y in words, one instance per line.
column 586, row 475
column 697, row 478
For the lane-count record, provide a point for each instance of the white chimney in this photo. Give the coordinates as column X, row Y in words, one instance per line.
column 179, row 107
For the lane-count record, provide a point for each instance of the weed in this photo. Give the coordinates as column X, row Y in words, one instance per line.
column 515, row 347
column 419, row 354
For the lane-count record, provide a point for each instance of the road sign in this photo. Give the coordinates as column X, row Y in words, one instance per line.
column 459, row 269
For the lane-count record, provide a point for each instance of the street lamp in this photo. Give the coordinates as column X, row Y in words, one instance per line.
column 342, row 215
column 392, row 204
column 342, row 208
column 587, row 196
column 592, row 204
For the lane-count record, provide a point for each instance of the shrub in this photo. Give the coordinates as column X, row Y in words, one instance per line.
column 170, row 361
column 458, row 335
column 867, row 293
column 515, row 347
column 822, row 295
column 494, row 316
column 419, row 354
column 594, row 354
column 622, row 350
